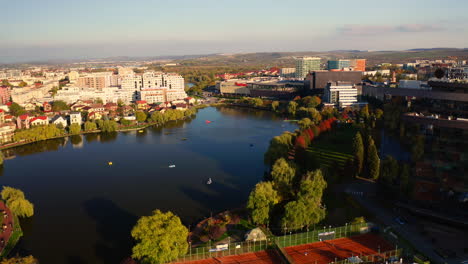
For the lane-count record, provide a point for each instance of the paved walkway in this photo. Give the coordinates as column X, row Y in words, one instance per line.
column 6, row 229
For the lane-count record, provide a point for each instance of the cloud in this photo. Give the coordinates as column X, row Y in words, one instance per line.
column 362, row 30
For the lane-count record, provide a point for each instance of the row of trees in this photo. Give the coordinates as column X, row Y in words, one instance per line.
column 17, row 202
column 366, row 160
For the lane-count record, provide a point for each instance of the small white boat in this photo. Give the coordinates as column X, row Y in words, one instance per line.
column 172, row 166
column 209, row 181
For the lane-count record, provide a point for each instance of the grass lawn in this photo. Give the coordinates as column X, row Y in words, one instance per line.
column 334, row 147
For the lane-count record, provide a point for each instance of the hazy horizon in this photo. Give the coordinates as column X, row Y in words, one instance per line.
column 51, row 30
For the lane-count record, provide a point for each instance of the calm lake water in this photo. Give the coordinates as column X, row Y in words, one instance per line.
column 85, row 209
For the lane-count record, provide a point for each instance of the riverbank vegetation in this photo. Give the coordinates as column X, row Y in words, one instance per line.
column 17, row 202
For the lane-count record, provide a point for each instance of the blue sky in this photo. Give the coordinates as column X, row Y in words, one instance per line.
column 54, row 29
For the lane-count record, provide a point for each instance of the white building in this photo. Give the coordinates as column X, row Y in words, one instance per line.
column 75, row 118
column 340, row 94
column 56, row 120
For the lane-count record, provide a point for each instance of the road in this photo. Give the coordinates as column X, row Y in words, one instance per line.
column 408, row 231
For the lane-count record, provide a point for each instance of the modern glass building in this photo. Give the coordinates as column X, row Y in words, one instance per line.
column 338, row 64
column 305, row 65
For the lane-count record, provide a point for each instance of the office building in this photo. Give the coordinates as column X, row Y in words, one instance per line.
column 338, row 64
column 316, row 81
column 341, row 94
column 287, row 72
column 304, row 65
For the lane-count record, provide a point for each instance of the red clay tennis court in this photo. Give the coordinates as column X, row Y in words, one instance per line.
column 260, row 257
column 342, row 248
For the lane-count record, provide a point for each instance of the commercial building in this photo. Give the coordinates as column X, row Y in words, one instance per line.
column 413, row 84
column 287, row 72
column 338, row 64
column 359, row 65
column 316, row 81
column 341, row 94
column 279, row 89
column 233, row 87
column 304, row 65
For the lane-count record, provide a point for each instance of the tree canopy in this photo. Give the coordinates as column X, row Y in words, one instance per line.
column 283, row 174
column 292, row 108
column 358, row 150
column 17, row 202
column 373, row 162
column 160, row 237
column 140, row 116
column 16, row 109
column 59, row 105
column 20, row 260
column 74, row 128
column 261, row 201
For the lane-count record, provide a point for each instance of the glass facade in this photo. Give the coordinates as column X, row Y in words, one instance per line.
column 338, row 64
column 306, row 65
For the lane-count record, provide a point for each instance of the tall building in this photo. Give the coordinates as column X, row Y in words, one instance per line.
column 304, row 65
column 340, row 94
column 98, row 80
column 287, row 72
column 338, row 64
column 316, row 81
column 359, row 64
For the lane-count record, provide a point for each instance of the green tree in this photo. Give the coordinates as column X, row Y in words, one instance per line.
column 21, row 207
column 305, row 123
column 22, row 84
column 283, row 174
column 160, row 237
column 16, row 109
column 20, row 260
column 389, row 170
column 307, row 209
column 405, row 175
column 109, row 126
column 274, row 105
column 74, row 129
column 17, row 202
column 358, row 151
column 59, row 105
column 279, row 147
column 417, row 150
column 140, row 116
column 292, row 106
column 10, row 193
column 373, row 162
column 1, row 158
column 261, row 201
column 90, row 126
column 379, row 113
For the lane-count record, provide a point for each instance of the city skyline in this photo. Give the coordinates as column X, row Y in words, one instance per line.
column 50, row 30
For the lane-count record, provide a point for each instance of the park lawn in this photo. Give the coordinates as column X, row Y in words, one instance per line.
column 334, row 148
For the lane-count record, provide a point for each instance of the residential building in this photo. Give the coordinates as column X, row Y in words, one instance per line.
column 304, row 65
column 2, row 116
column 142, row 105
column 341, row 94
column 5, row 94
column 6, row 132
column 95, row 81
column 152, row 95
column 22, row 121
column 58, row 120
column 94, row 116
column 39, row 121
column 75, row 118
column 47, row 107
column 73, row 76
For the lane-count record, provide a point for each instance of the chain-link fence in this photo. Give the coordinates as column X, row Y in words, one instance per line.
column 289, row 239
column 311, row 236
column 382, row 257
column 225, row 249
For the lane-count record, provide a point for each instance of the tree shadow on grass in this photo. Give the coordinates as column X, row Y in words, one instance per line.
column 114, row 226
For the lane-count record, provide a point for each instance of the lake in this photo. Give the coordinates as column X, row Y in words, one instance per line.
column 85, row 209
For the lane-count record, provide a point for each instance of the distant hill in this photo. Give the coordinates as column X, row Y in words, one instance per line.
column 285, row 59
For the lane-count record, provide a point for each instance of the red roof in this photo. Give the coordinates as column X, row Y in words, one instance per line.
column 1, row 111
column 39, row 118
column 141, row 102
column 24, row 117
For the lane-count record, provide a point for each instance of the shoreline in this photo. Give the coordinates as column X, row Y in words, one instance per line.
column 123, row 129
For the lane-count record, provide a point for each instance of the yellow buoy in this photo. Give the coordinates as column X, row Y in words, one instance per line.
column 110, row 163
column 140, row 131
